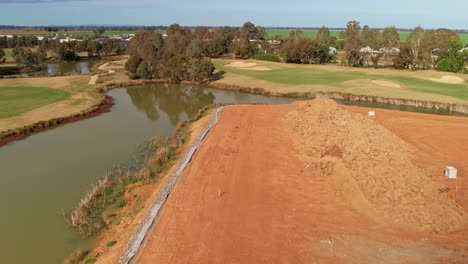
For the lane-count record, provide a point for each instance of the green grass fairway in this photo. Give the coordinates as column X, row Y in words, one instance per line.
column 312, row 34
column 292, row 75
column 15, row 100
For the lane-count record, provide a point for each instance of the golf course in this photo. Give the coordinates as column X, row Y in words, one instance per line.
column 283, row 78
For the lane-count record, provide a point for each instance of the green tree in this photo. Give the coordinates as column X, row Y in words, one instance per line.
column 220, row 41
column 454, row 61
column 243, row 48
column 251, row 32
column 2, row 56
column 201, row 70
column 201, row 33
column 132, row 64
column 98, row 32
column 323, row 36
column 41, row 54
column 352, row 43
column 415, row 38
column 391, row 40
column 176, row 68
column 404, row 59
column 195, row 49
column 142, row 71
column 25, row 57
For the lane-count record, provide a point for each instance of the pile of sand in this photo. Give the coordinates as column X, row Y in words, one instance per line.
column 377, row 161
column 449, row 79
column 386, row 83
column 252, row 66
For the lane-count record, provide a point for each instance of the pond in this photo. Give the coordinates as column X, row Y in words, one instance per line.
column 58, row 68
column 45, row 174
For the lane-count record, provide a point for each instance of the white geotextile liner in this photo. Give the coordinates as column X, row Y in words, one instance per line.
column 137, row 238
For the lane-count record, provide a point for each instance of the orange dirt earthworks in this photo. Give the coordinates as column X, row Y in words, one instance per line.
column 311, row 183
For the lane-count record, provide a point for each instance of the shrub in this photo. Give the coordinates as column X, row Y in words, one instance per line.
column 111, row 243
column 90, row 260
column 267, row 57
column 450, row 65
column 132, row 64
column 120, row 203
column 142, row 70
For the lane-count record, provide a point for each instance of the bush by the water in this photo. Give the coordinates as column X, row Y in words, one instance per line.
column 267, row 57
column 150, row 161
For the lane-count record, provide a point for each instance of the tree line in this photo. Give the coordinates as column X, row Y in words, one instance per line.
column 177, row 58
column 440, row 49
column 29, row 51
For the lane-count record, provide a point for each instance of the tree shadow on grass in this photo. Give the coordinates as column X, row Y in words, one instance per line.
column 217, row 76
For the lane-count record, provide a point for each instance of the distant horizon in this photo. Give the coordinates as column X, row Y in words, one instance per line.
column 402, row 14
column 207, row 26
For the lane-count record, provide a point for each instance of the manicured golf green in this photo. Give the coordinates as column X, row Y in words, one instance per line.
column 15, row 100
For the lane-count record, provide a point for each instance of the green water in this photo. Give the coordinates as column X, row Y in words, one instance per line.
column 45, row 174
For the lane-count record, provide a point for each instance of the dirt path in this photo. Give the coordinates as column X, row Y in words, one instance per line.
column 94, row 78
column 248, row 198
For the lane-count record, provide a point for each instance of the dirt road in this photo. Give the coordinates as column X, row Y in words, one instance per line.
column 248, row 198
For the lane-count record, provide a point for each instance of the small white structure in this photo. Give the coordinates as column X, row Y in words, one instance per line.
column 451, row 172
column 371, row 113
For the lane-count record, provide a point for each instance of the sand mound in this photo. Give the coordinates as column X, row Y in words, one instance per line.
column 377, row 161
column 257, row 68
column 386, row 83
column 241, row 64
column 449, row 79
column 247, row 66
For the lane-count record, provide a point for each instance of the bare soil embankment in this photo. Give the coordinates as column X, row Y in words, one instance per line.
column 267, row 188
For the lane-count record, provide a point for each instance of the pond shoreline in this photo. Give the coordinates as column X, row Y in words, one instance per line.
column 107, row 102
column 21, row 133
column 456, row 108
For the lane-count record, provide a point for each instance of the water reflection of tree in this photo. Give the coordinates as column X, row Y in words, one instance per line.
column 144, row 100
column 174, row 100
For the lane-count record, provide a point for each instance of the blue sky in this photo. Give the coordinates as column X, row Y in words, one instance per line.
column 292, row 13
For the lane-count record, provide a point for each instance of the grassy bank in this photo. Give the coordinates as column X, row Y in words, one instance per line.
column 290, row 78
column 15, row 100
column 25, row 101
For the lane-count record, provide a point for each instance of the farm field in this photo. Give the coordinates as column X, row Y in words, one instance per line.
column 312, row 34
column 284, row 78
column 241, row 199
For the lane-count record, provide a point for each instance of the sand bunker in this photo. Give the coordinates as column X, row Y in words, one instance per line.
column 386, row 83
column 449, row 79
column 248, row 66
column 374, row 160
